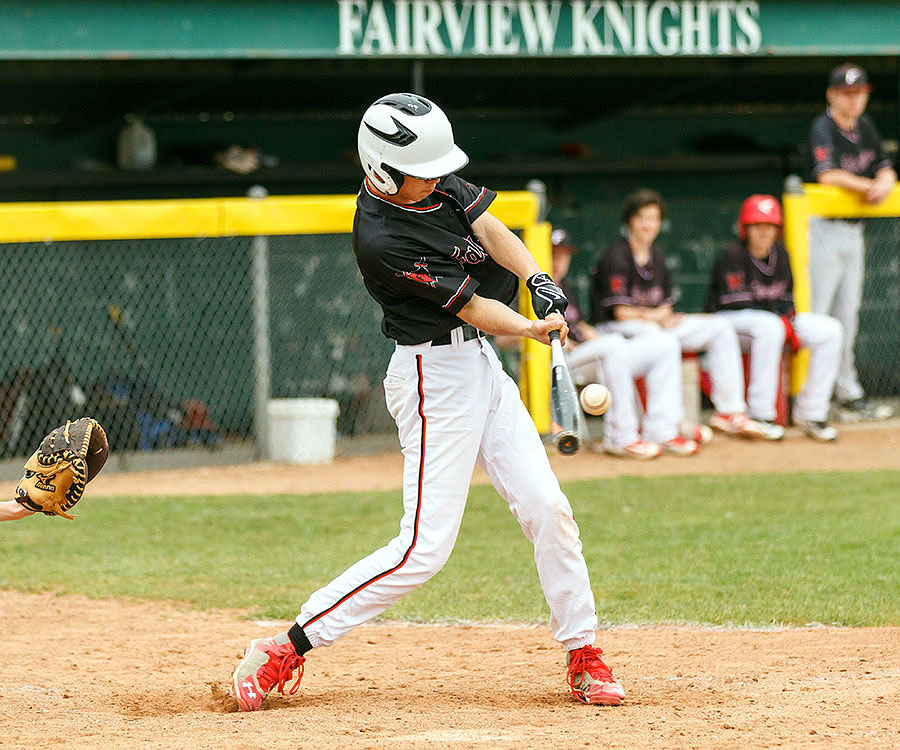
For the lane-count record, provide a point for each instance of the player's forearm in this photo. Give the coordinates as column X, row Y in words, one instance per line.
column 10, row 510
column 497, row 319
column 886, row 177
column 635, row 312
column 504, row 246
column 493, row 317
column 843, row 179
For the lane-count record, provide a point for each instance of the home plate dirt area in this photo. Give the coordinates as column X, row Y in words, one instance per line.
column 81, row 673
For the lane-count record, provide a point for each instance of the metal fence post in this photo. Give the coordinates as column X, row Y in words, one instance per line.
column 262, row 355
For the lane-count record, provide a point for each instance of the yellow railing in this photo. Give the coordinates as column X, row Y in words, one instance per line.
column 275, row 215
column 803, row 201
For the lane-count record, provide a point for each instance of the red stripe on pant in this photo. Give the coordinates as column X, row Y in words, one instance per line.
column 418, row 509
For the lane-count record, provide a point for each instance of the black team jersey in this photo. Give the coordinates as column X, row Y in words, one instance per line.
column 858, row 151
column 422, row 262
column 617, row 280
column 739, row 281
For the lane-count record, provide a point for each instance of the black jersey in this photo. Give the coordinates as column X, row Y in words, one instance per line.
column 858, row 151
column 617, row 280
column 422, row 262
column 739, row 281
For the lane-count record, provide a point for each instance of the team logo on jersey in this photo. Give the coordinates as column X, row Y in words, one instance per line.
column 472, row 253
column 822, row 153
column 734, row 280
column 421, row 274
column 617, row 284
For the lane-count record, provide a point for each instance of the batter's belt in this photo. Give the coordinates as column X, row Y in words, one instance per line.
column 468, row 333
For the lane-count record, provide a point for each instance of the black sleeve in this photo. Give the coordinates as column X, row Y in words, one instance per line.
column 609, row 285
column 668, row 297
column 407, row 268
column 474, row 199
column 882, row 160
column 785, row 306
column 714, row 290
column 821, row 148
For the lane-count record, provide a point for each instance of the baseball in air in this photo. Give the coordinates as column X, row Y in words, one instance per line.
column 594, row 399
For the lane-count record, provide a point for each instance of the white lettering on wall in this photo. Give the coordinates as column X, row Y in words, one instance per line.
column 425, row 22
column 533, row 27
column 656, row 29
column 746, row 14
column 585, row 37
column 539, row 23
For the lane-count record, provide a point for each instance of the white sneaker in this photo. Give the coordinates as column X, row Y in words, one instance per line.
column 737, row 423
column 770, row 430
column 699, row 433
column 639, row 449
column 679, row 446
column 820, row 431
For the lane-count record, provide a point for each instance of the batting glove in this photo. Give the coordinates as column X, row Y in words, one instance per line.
column 546, row 297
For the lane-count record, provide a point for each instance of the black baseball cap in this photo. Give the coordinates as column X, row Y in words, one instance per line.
column 849, row 77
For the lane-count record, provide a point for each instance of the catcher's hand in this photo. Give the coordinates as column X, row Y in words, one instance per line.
column 66, row 460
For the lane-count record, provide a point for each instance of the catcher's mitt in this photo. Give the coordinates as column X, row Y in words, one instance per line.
column 67, row 459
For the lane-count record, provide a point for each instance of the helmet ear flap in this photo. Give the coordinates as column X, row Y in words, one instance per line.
column 386, row 179
column 397, row 178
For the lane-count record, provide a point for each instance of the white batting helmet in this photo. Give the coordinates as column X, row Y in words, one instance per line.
column 406, row 134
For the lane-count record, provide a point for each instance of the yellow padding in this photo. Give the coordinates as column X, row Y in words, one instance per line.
column 207, row 217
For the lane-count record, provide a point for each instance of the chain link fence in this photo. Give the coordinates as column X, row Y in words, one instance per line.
column 878, row 340
column 156, row 339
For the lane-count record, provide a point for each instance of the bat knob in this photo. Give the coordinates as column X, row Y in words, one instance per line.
column 567, row 445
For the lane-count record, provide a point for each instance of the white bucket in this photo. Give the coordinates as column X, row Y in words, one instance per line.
column 302, row 430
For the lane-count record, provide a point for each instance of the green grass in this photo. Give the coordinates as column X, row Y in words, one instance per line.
column 742, row 550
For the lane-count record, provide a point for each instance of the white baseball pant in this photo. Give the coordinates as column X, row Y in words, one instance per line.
column 455, row 406
column 837, row 253
column 699, row 332
column 762, row 334
column 616, row 361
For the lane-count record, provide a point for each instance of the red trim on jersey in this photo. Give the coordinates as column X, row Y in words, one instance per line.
column 371, row 190
column 415, row 536
column 477, row 200
column 458, row 292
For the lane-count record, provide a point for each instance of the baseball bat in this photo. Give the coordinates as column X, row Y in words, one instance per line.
column 564, row 408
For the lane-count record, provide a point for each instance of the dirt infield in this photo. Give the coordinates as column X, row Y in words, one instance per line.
column 114, row 674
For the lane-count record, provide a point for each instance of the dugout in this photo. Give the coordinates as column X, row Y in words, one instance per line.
column 704, row 101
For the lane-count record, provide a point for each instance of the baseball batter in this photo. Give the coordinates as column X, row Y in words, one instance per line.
column 443, row 270
column 632, row 295
column 615, row 361
column 845, row 150
column 752, row 286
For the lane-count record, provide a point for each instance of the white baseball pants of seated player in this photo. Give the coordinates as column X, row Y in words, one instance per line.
column 837, row 254
column 616, row 361
column 762, row 334
column 455, row 406
column 700, row 332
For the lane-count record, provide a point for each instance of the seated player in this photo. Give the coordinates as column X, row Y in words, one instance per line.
column 615, row 361
column 752, row 286
column 632, row 295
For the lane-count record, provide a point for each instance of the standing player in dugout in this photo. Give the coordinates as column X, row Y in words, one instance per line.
column 444, row 270
column 845, row 150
